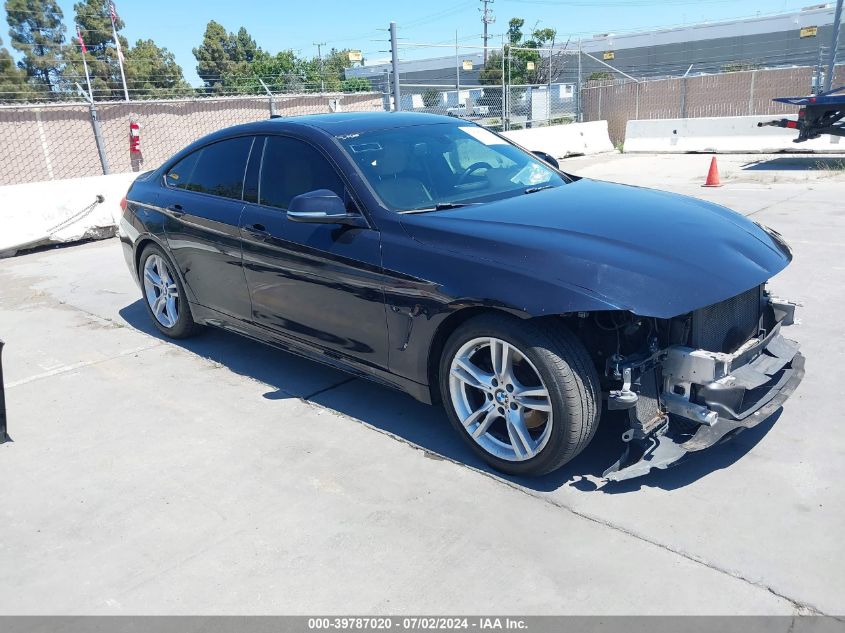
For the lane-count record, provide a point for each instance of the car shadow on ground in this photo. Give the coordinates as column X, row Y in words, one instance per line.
column 810, row 162
column 427, row 427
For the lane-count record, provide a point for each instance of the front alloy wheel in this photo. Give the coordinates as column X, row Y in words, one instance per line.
column 524, row 394
column 500, row 399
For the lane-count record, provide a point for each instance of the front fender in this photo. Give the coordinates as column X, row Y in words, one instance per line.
column 436, row 284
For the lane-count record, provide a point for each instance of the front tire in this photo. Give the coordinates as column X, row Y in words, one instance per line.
column 523, row 395
column 164, row 294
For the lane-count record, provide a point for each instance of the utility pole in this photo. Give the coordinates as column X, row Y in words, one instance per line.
column 457, row 69
column 319, row 46
column 578, row 103
column 837, row 22
column 487, row 17
column 817, row 76
column 394, row 61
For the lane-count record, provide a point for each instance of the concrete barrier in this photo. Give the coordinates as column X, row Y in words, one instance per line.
column 39, row 213
column 565, row 140
column 737, row 135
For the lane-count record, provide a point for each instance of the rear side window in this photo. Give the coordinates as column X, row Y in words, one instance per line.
column 291, row 167
column 216, row 169
column 181, row 172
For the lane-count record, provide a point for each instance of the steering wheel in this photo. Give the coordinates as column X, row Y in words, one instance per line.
column 472, row 168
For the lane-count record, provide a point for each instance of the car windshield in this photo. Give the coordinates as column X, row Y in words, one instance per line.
column 440, row 166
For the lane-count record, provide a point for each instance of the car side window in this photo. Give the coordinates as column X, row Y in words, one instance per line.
column 292, row 167
column 179, row 175
column 216, row 169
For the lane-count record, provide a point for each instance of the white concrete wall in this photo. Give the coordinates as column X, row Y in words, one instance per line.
column 721, row 135
column 561, row 141
column 29, row 212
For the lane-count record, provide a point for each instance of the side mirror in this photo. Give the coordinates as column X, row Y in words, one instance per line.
column 547, row 158
column 323, row 207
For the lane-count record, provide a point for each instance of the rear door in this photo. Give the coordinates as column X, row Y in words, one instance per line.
column 320, row 283
column 203, row 198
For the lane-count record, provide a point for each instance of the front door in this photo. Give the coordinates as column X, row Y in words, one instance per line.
column 318, row 283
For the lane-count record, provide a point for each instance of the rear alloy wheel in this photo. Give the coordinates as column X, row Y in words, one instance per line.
column 524, row 396
column 161, row 291
column 164, row 295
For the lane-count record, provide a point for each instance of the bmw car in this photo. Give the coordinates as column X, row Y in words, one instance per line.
column 434, row 256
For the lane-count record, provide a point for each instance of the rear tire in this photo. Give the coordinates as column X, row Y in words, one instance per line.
column 164, row 295
column 524, row 395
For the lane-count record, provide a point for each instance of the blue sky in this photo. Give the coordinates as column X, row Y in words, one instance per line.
column 283, row 24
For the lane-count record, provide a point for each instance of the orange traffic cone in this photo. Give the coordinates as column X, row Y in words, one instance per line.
column 713, row 175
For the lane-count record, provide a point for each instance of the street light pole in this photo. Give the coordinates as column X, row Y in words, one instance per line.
column 831, row 67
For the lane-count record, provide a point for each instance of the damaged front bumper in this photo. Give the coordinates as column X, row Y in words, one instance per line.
column 682, row 400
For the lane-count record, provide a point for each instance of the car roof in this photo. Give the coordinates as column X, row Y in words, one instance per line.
column 333, row 124
column 339, row 123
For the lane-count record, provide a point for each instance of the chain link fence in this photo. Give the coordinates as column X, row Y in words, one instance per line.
column 57, row 141
column 52, row 141
column 740, row 93
column 463, row 86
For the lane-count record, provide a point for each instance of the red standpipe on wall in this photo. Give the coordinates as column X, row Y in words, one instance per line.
column 134, row 137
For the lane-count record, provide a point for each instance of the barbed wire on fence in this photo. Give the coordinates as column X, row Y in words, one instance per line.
column 51, row 136
column 54, row 141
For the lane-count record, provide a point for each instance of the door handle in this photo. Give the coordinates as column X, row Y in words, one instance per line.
column 176, row 210
column 257, row 231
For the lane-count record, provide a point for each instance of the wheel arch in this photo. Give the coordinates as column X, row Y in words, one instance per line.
column 142, row 243
column 459, row 317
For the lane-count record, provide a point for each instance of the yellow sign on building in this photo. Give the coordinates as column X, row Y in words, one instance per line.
column 809, row 31
column 609, row 55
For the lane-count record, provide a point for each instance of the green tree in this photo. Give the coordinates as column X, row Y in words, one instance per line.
column 152, row 71
column 212, row 55
column 280, row 72
column 13, row 84
column 225, row 59
column 491, row 73
column 431, row 98
column 94, row 22
column 244, row 48
column 356, row 84
column 37, row 31
column 517, row 58
column 329, row 74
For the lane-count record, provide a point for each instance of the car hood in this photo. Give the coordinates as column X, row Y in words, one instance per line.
column 653, row 253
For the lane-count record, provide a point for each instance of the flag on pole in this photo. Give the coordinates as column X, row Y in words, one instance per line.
column 113, row 13
column 81, row 41
column 85, row 63
column 119, row 50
